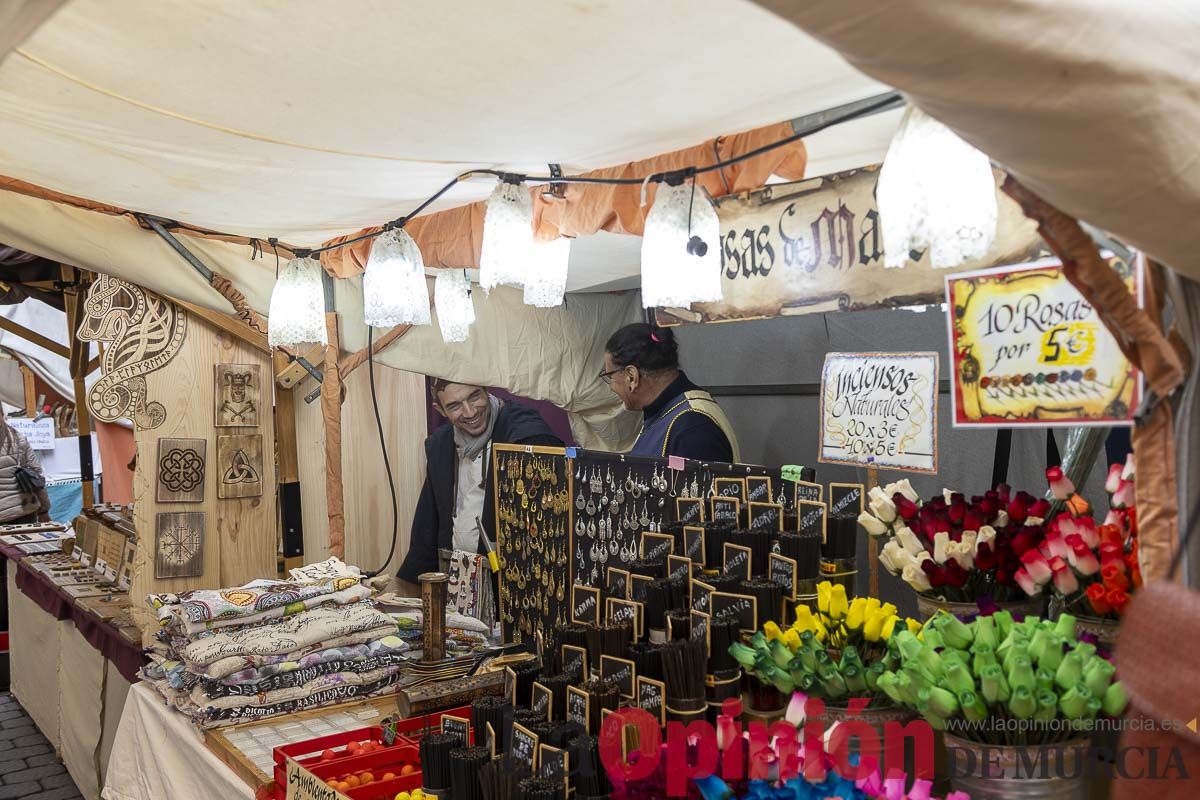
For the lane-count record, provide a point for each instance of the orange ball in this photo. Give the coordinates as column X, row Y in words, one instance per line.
column 407, row 769
column 366, row 778
column 352, row 781
column 389, row 776
column 328, row 755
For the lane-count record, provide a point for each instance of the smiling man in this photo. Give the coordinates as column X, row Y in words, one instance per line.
column 457, row 495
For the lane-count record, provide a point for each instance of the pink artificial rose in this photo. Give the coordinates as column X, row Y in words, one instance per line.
column 1027, row 583
column 1036, row 565
column 1060, row 485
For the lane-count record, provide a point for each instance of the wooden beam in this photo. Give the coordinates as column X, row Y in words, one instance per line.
column 30, row 384
column 74, row 299
column 228, row 323
column 35, row 337
column 331, row 417
column 91, row 365
column 355, row 359
column 292, row 373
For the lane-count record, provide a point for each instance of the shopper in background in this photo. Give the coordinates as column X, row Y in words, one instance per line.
column 23, row 497
column 641, row 364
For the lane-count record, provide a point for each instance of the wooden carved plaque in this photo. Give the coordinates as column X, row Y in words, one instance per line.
column 179, row 544
column 180, row 470
column 238, row 396
column 239, row 466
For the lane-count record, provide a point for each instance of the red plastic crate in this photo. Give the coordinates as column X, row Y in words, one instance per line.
column 390, row 759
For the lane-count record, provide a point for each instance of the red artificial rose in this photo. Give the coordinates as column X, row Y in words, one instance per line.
column 1040, row 508
column 1022, row 542
column 989, row 504
column 957, row 509
column 985, row 559
column 1018, row 507
column 935, row 573
column 1114, row 577
column 906, row 508
column 1099, row 599
column 1118, row 599
column 1003, row 493
column 1054, row 474
column 1004, row 577
column 1110, row 552
column 974, row 519
column 956, row 576
column 1112, row 535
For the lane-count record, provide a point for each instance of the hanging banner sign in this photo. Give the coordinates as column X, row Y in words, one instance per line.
column 880, row 409
column 1028, row 349
column 816, row 245
column 38, row 432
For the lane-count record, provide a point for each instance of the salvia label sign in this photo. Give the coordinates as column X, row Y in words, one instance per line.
column 817, row 245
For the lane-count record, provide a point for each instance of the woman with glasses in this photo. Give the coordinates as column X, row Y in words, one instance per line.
column 641, row 364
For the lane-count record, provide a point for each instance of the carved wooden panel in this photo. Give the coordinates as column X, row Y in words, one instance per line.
column 238, row 395
column 143, row 332
column 239, row 466
column 179, row 544
column 180, row 470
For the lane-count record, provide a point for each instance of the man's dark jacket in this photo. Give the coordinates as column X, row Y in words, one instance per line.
column 433, row 523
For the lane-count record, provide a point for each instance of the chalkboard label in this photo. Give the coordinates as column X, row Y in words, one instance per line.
column 811, row 518
column 737, row 560
column 812, row 492
column 689, row 510
column 523, row 746
column 725, row 509
column 657, row 545
column 758, row 489
column 458, row 727
column 638, row 586
column 845, row 500
column 616, row 583
column 585, row 604
column 510, row 685
column 575, row 663
column 651, row 698
column 701, row 596
column 626, row 610
column 730, row 487
column 491, row 739
column 701, row 626
column 693, row 543
column 621, row 670
column 577, row 707
column 782, row 570
column 543, row 700
column 745, row 606
column 766, row 517
column 679, row 567
column 554, row 764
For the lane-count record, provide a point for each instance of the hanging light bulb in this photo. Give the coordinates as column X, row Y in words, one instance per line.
column 297, row 308
column 394, row 288
column 681, row 262
column 452, row 299
column 507, row 235
column 935, row 191
column 547, row 279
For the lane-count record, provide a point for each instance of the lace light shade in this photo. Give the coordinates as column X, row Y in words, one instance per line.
column 671, row 275
column 507, row 237
column 297, row 310
column 452, row 299
column 935, row 191
column 547, row 279
column 394, row 289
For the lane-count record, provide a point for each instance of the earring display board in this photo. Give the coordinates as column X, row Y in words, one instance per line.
column 532, row 487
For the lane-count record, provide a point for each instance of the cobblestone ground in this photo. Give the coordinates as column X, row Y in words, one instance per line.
column 29, row 768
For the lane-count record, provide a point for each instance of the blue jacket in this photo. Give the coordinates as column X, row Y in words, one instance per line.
column 684, row 420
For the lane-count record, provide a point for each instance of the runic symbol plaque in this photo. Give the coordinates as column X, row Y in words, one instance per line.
column 237, row 395
column 179, row 544
column 239, row 466
column 180, row 470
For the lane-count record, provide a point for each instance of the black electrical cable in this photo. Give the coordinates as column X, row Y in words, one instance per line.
column 383, row 447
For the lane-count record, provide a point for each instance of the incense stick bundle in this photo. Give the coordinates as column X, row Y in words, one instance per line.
column 557, row 684
column 489, row 709
column 540, row 789
column 759, row 543
column 572, row 633
column 647, row 658
column 650, row 567
column 723, row 631
column 657, row 592
column 679, row 624
column 564, row 734
column 676, row 530
column 769, row 595
column 435, row 749
column 841, row 539
column 465, row 763
column 728, row 584
column 677, row 591
column 609, row 639
column 683, row 668
column 602, row 694
column 526, row 672
column 716, row 534
column 499, row 779
column 805, row 550
column 591, row 779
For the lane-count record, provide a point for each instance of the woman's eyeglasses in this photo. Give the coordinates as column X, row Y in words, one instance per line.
column 608, row 376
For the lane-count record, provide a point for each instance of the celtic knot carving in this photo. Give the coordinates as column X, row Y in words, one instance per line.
column 181, row 470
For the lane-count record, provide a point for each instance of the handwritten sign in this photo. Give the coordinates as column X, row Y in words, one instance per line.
column 737, row 560
column 578, row 707
column 730, row 487
column 585, row 604
column 679, row 567
column 39, row 432
column 880, row 409
column 554, row 763
column 617, row 583
column 657, row 545
column 701, row 629
column 1028, row 349
column 782, row 570
column 639, row 586
column 743, row 605
column 758, row 489
column 575, row 662
column 693, row 543
column 457, row 726
column 813, row 492
column 523, row 746
column 811, row 518
column 725, row 509
column 621, row 670
column 701, row 594
column 766, row 516
column 845, row 500
column 689, row 510
column 303, row 785
column 543, row 700
column 651, row 698
column 623, row 611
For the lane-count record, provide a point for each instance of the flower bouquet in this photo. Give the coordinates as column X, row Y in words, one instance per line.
column 835, row 654
column 951, row 550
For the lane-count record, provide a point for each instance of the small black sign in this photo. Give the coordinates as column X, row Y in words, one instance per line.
column 725, row 509
column 616, row 583
column 622, row 610
column 575, row 663
column 782, row 570
column 457, row 726
column 543, row 700
column 811, row 518
column 745, row 606
column 845, row 500
column 657, row 545
column 812, row 492
column 621, row 670
column 730, row 487
column 737, row 560
column 693, row 543
column 701, row 624
column 523, row 746
column 701, row 596
column 638, row 586
column 577, row 706
column 651, row 697
column 679, row 566
column 585, row 604
column 766, row 517
column 554, row 764
column 758, row 489
column 689, row 510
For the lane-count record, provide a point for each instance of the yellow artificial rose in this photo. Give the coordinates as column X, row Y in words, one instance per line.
column 872, row 605
column 791, row 638
column 856, row 616
column 889, row 608
column 889, row 625
column 771, row 629
column 913, row 625
column 874, row 626
column 838, row 604
column 804, row 617
column 824, row 594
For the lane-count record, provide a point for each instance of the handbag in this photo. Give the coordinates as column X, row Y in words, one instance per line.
column 29, row 482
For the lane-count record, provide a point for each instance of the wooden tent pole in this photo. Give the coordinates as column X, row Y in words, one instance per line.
column 30, row 385
column 331, row 416
column 872, row 542
column 74, row 297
